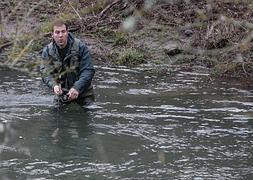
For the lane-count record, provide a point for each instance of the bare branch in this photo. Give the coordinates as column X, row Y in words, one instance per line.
column 24, row 50
column 75, row 10
column 101, row 14
column 5, row 45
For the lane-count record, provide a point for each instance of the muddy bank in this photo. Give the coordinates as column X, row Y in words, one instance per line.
column 216, row 35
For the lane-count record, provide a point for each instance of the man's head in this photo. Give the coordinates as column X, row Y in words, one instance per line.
column 60, row 33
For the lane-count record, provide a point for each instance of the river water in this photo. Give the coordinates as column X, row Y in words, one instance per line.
column 144, row 125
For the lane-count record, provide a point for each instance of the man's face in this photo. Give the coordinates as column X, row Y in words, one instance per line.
column 60, row 35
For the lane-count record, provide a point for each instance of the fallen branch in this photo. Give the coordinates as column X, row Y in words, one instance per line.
column 244, row 70
column 5, row 45
column 101, row 14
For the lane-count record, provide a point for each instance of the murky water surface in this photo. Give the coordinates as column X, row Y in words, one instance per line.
column 143, row 126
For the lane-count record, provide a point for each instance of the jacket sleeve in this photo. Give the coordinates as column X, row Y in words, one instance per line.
column 87, row 70
column 47, row 70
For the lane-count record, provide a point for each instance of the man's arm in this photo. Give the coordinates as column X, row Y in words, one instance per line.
column 47, row 70
column 87, row 70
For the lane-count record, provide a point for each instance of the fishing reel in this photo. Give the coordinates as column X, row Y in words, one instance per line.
column 64, row 98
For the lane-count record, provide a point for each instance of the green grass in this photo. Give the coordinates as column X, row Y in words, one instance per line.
column 130, row 57
column 114, row 37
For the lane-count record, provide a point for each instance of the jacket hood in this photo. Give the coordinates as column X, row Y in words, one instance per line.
column 71, row 38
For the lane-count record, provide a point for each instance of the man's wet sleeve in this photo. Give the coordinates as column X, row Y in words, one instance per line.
column 87, row 70
column 46, row 69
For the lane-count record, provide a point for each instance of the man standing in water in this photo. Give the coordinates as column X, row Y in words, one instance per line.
column 67, row 67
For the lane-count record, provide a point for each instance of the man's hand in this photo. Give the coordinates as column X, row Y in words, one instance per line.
column 73, row 94
column 57, row 90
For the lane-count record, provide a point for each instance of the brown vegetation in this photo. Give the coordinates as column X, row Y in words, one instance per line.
column 216, row 34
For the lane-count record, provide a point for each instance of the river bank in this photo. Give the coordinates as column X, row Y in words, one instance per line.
column 214, row 36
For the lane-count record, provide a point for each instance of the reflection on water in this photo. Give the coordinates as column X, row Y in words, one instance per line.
column 143, row 126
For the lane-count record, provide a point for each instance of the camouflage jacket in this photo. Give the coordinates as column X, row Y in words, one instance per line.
column 74, row 70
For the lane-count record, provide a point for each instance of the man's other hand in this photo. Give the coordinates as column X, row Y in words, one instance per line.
column 57, row 90
column 73, row 94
